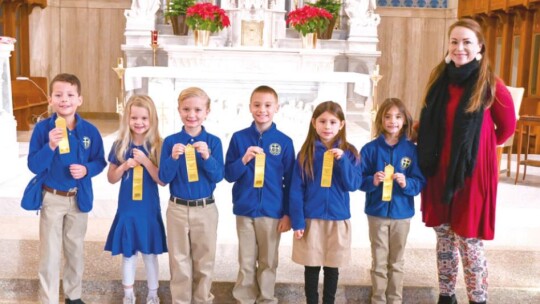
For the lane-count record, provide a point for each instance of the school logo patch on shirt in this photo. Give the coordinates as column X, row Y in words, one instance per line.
column 275, row 149
column 405, row 162
column 86, row 142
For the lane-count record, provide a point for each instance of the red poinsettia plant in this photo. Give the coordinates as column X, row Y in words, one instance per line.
column 309, row 19
column 207, row 17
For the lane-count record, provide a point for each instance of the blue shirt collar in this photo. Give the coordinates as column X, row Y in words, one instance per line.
column 253, row 127
column 76, row 129
column 382, row 141
column 54, row 116
column 193, row 139
column 319, row 144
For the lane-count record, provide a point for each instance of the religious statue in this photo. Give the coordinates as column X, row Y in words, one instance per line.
column 143, row 8
column 142, row 15
column 362, row 12
column 360, row 8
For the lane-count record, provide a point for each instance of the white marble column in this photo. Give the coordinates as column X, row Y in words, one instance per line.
column 9, row 148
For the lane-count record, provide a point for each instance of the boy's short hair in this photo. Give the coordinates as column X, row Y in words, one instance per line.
column 65, row 77
column 194, row 92
column 264, row 89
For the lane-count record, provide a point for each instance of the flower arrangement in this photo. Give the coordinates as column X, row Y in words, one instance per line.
column 309, row 19
column 178, row 7
column 206, row 17
column 332, row 6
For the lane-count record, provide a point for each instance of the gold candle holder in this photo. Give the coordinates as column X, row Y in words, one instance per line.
column 154, row 47
column 120, row 71
column 375, row 78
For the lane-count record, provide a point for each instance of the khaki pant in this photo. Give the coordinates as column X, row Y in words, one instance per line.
column 258, row 256
column 191, row 238
column 388, row 238
column 61, row 225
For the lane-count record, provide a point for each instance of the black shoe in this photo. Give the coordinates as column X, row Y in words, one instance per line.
column 447, row 299
column 78, row 301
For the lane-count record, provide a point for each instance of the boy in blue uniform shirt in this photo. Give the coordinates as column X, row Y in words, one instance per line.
column 192, row 216
column 261, row 212
column 64, row 172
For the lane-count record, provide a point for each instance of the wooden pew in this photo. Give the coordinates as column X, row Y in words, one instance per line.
column 531, row 107
column 29, row 102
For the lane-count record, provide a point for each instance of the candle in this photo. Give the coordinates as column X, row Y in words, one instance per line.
column 120, row 62
column 376, row 72
column 154, row 37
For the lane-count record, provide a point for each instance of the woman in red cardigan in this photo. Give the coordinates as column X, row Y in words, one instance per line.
column 466, row 113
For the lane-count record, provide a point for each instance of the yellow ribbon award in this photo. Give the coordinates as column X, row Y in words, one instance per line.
column 137, row 183
column 63, row 145
column 258, row 181
column 388, row 183
column 327, row 167
column 191, row 164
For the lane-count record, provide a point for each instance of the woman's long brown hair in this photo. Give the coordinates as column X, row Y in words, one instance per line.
column 486, row 77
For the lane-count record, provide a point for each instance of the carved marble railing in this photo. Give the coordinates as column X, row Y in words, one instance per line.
column 229, row 92
column 9, row 148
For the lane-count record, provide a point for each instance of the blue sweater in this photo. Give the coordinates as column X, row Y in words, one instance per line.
column 375, row 156
column 174, row 172
column 86, row 150
column 308, row 200
column 272, row 200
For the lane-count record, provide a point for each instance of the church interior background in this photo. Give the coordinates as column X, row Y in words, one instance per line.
column 400, row 40
column 405, row 38
column 397, row 42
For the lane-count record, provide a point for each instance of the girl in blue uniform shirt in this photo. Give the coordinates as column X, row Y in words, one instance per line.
column 389, row 219
column 137, row 226
column 319, row 202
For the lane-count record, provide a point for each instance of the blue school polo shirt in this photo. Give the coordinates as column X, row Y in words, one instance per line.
column 174, row 172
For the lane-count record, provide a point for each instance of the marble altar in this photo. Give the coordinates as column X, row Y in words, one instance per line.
column 228, row 69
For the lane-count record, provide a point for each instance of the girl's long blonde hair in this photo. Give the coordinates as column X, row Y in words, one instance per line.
column 152, row 141
column 305, row 156
column 388, row 103
column 486, row 77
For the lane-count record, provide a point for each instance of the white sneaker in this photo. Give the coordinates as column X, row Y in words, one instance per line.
column 154, row 300
column 129, row 300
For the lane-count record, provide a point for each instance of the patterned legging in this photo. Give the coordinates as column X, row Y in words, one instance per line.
column 449, row 247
